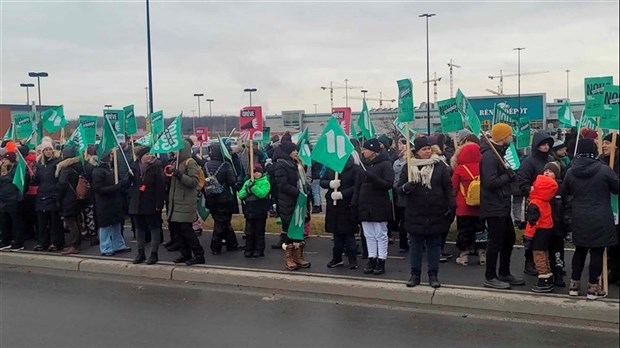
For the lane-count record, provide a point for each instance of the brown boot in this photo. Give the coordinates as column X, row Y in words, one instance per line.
column 298, row 256
column 288, row 257
column 541, row 261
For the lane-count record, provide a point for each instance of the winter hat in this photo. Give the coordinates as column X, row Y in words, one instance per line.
column 500, row 131
column 288, row 147
column 558, row 144
column 554, row 167
column 106, row 154
column 589, row 133
column 10, row 146
column 46, row 145
column 23, row 150
column 373, row 145
column 462, row 135
column 68, row 152
column 587, row 148
column 609, row 138
column 385, row 140
column 275, row 138
column 11, row 156
column 258, row 167
column 420, row 143
column 142, row 150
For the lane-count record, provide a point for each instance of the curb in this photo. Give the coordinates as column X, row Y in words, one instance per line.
column 457, row 297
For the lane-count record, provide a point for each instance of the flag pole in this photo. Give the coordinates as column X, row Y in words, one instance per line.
column 408, row 154
column 251, row 169
column 612, row 159
column 115, row 165
column 335, row 190
column 133, row 148
column 119, row 145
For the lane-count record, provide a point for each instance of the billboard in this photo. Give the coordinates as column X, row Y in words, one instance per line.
column 532, row 106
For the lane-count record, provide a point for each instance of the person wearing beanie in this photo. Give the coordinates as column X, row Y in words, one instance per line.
column 147, row 192
column 590, row 183
column 429, row 200
column 371, row 202
column 386, row 143
column 560, row 154
column 255, row 195
column 462, row 136
column 588, row 133
column 50, row 236
column 495, row 208
column 68, row 172
column 614, row 252
column 11, row 220
column 556, row 243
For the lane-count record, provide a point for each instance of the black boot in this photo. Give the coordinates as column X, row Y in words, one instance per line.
column 379, row 267
column 433, row 281
column 197, row 260
column 413, row 281
column 140, row 257
column 152, row 259
column 558, row 275
column 370, row 266
column 544, row 283
column 352, row 262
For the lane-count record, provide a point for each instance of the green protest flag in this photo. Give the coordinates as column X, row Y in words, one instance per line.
column 353, row 132
column 130, row 120
column 10, row 133
column 586, row 121
column 512, row 157
column 364, row 123
column 157, row 122
column 523, row 133
column 304, row 152
column 202, row 210
column 296, row 228
column 108, row 138
column 224, row 149
column 19, row 176
column 502, row 115
column 89, row 128
column 614, row 207
column 609, row 118
column 78, row 140
column 405, row 100
column 450, row 116
column 297, row 138
column 334, row 147
column 23, row 125
column 266, row 135
column 401, row 126
column 594, row 90
column 146, row 140
column 468, row 113
column 116, row 118
column 565, row 115
column 171, row 139
column 54, row 119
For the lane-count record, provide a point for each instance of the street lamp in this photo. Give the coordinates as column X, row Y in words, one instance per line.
column 364, row 91
column 567, row 85
column 250, row 90
column 27, row 85
column 428, row 77
column 107, row 106
column 148, row 51
column 519, row 49
column 210, row 114
column 197, row 95
column 38, row 75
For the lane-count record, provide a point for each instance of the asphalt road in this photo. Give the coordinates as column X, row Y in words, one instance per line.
column 43, row 309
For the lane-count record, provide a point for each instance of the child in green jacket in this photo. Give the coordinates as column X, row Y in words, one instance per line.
column 255, row 195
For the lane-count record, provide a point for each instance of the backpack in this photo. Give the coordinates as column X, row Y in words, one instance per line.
column 211, row 185
column 201, row 175
column 472, row 196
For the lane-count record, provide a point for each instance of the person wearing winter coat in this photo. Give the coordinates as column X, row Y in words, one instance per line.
column 50, row 233
column 255, row 195
column 588, row 186
column 11, row 222
column 468, row 222
column 371, row 201
column 614, row 251
column 495, row 207
column 339, row 219
column 560, row 155
column 316, row 169
column 556, row 245
column 399, row 223
column 68, row 172
column 146, row 201
column 221, row 206
column 291, row 181
column 430, row 200
column 182, row 207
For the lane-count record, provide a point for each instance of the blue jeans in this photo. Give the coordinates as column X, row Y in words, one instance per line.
column 316, row 192
column 111, row 239
column 433, row 251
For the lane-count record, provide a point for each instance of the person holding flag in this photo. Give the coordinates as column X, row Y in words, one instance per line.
column 68, row 172
column 50, row 227
column 11, row 222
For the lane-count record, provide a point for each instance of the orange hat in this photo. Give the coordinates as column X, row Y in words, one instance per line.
column 500, row 131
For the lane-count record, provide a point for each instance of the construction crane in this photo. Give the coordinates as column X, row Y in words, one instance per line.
column 331, row 88
column 501, row 78
column 452, row 65
column 494, row 92
column 380, row 99
column 434, row 81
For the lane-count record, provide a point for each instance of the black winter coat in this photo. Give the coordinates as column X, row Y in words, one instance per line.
column 68, row 171
column 225, row 202
column 587, row 186
column 45, row 178
column 429, row 211
column 339, row 218
column 108, row 196
column 534, row 164
column 558, row 213
column 495, row 200
column 372, row 187
column 286, row 178
column 148, row 190
column 9, row 193
column 316, row 170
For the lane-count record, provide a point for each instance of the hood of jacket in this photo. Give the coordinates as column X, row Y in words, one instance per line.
column 538, row 139
column 66, row 163
column 583, row 167
column 544, row 188
column 484, row 147
column 278, row 153
column 215, row 153
column 186, row 151
column 470, row 153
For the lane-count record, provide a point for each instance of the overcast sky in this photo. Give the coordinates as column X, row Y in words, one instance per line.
column 95, row 51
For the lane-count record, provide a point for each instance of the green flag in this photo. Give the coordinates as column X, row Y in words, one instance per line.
column 224, row 149
column 565, row 115
column 24, row 126
column 364, row 123
column 523, row 133
column 594, row 90
column 609, row 118
column 108, row 138
column 405, row 100
column 78, row 140
column 89, row 128
column 587, row 121
column 353, row 133
column 171, row 139
column 10, row 133
column 501, row 115
column 401, row 126
column 296, row 228
column 512, row 157
column 157, row 122
column 19, row 177
column 116, row 118
column 468, row 113
column 450, row 116
column 146, row 140
column 334, row 147
column 130, row 120
column 297, row 138
column 54, row 119
column 304, row 152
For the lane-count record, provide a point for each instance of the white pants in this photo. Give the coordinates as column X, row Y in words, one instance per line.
column 376, row 238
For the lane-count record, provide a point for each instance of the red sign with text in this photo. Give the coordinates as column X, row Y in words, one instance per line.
column 343, row 115
column 202, row 133
column 251, row 123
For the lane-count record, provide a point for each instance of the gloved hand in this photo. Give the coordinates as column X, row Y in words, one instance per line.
column 177, row 173
column 336, row 196
column 334, row 184
column 408, row 187
column 511, row 173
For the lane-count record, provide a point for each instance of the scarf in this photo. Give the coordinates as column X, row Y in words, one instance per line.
column 424, row 174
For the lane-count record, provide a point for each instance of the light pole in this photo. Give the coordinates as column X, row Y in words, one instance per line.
column 146, row 92
column 197, row 95
column 519, row 49
column 346, row 92
column 210, row 114
column 250, row 90
column 364, row 91
column 38, row 75
column 27, row 85
column 567, row 84
column 428, row 77
column 148, row 50
column 107, row 106
column 315, row 113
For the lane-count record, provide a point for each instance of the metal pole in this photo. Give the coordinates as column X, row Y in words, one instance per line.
column 27, row 95
column 146, row 92
column 193, row 118
column 150, row 68
column 39, row 87
column 428, row 85
column 315, row 113
column 567, row 85
column 250, row 98
column 346, row 92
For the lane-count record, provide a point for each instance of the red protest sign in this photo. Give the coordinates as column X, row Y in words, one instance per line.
column 202, row 133
column 251, row 123
column 343, row 115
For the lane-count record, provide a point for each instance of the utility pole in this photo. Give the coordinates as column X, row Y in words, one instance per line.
column 519, row 49
column 567, row 85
